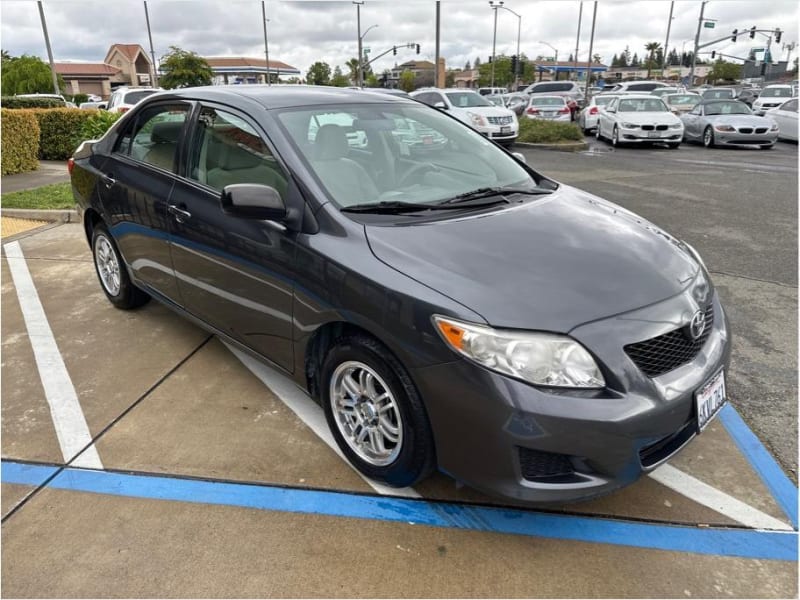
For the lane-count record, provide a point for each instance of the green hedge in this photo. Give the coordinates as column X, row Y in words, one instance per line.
column 20, row 141
column 60, row 131
column 100, row 122
column 17, row 102
column 535, row 131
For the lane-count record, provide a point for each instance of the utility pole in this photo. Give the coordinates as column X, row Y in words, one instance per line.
column 577, row 43
column 696, row 42
column 591, row 48
column 436, row 63
column 152, row 52
column 266, row 39
column 666, row 41
column 360, row 54
column 49, row 50
column 494, row 38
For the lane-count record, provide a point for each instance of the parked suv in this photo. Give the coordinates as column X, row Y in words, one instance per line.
column 626, row 87
column 491, row 91
column 495, row 122
column 772, row 96
column 125, row 98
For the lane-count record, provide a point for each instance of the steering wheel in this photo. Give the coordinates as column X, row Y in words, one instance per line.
column 416, row 170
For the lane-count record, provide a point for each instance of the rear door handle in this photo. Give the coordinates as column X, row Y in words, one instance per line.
column 108, row 181
column 179, row 214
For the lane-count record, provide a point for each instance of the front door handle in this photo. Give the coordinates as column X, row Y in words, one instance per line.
column 108, row 181
column 179, row 214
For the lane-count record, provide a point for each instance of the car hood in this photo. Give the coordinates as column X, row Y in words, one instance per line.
column 552, row 263
column 488, row 111
column 739, row 120
column 646, row 118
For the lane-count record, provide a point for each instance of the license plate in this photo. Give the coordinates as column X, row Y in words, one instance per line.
column 653, row 134
column 505, row 130
column 549, row 114
column 710, row 399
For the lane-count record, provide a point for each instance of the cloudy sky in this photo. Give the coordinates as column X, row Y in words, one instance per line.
column 302, row 32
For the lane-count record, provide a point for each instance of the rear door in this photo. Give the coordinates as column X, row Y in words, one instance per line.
column 234, row 273
column 135, row 188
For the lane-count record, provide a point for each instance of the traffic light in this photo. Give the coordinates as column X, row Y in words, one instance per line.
column 394, row 50
column 713, row 53
column 778, row 33
column 490, row 59
column 733, row 37
column 752, row 32
column 514, row 64
column 417, row 48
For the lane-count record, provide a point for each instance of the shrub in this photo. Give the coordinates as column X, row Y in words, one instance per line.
column 20, row 141
column 79, row 99
column 60, row 131
column 17, row 102
column 535, row 131
column 97, row 124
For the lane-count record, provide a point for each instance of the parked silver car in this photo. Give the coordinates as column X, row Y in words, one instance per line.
column 728, row 123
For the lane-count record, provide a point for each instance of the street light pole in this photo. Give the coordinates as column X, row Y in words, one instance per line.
column 591, row 48
column 696, row 42
column 666, row 41
column 494, row 6
column 578, row 41
column 360, row 55
column 49, row 50
column 519, row 31
column 266, row 39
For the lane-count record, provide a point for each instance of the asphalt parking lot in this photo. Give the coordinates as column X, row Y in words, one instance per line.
column 189, row 470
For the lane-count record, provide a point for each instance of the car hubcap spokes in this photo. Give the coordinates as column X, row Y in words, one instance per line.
column 366, row 413
column 708, row 138
column 107, row 266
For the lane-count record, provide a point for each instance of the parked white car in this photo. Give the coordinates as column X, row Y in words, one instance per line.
column 786, row 117
column 495, row 122
column 588, row 117
column 548, row 108
column 124, row 98
column 772, row 96
column 627, row 87
column 637, row 119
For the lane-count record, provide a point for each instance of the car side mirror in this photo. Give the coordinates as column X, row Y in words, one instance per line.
column 253, row 201
column 520, row 157
column 440, row 105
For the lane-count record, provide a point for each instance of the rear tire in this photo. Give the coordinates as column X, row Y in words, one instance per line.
column 112, row 272
column 375, row 413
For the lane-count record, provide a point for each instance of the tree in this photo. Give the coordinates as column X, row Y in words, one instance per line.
column 476, row 63
column 352, row 66
column 626, row 57
column 467, row 66
column 319, row 74
column 450, row 79
column 339, row 79
column 503, row 76
column 725, row 70
column 183, row 69
column 673, row 58
column 407, row 81
column 27, row 75
column 635, row 60
column 372, row 81
column 614, row 61
column 651, row 48
column 571, row 58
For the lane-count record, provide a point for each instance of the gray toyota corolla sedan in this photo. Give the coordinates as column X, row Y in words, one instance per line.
column 448, row 306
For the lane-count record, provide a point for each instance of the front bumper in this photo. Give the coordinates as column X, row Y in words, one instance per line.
column 488, row 428
column 638, row 135
column 736, row 138
column 496, row 133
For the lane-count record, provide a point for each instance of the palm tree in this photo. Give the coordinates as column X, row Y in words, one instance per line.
column 352, row 64
column 652, row 47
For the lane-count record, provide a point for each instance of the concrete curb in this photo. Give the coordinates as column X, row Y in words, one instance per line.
column 59, row 216
column 559, row 146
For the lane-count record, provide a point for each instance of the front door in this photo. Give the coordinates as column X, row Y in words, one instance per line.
column 234, row 273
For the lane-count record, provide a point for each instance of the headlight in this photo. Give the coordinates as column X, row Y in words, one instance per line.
column 540, row 358
column 477, row 119
column 774, row 127
column 724, row 128
column 676, row 126
column 629, row 125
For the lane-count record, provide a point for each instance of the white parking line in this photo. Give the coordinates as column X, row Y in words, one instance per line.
column 309, row 412
column 65, row 409
column 709, row 496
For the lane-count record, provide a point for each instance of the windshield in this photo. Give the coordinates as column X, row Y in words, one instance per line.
column 718, row 94
column 547, row 101
column 467, row 99
column 684, row 99
column 777, row 93
column 396, row 152
column 552, row 87
column 641, row 105
column 496, row 100
column 727, row 108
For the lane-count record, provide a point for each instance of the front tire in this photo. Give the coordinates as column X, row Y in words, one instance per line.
column 615, row 137
column 708, row 137
column 112, row 273
column 375, row 413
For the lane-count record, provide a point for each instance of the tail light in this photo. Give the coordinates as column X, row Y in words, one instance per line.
column 593, row 110
column 532, row 111
column 70, row 165
column 565, row 110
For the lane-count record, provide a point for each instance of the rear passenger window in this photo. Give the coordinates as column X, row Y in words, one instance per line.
column 229, row 150
column 153, row 136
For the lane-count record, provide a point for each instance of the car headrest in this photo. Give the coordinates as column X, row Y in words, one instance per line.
column 331, row 143
column 166, row 132
column 226, row 154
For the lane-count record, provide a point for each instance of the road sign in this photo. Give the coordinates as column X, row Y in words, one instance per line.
column 708, row 25
column 366, row 50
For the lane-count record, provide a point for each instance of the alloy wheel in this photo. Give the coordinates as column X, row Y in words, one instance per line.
column 107, row 265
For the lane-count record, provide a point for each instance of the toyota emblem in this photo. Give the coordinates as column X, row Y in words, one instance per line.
column 697, row 325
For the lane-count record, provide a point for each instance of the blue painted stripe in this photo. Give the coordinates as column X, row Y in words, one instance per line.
column 779, row 485
column 724, row 542
column 25, row 474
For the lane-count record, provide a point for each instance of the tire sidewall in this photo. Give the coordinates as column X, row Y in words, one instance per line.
column 414, row 461
column 129, row 296
column 708, row 137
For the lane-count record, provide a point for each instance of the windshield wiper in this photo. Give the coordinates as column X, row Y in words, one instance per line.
column 488, row 192
column 387, row 207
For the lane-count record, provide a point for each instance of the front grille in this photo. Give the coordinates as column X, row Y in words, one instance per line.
column 500, row 120
column 647, row 128
column 761, row 130
column 745, row 130
column 661, row 127
column 664, row 353
column 545, row 466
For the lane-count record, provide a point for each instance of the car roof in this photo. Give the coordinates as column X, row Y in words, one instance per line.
column 638, row 96
column 283, row 96
column 541, row 96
